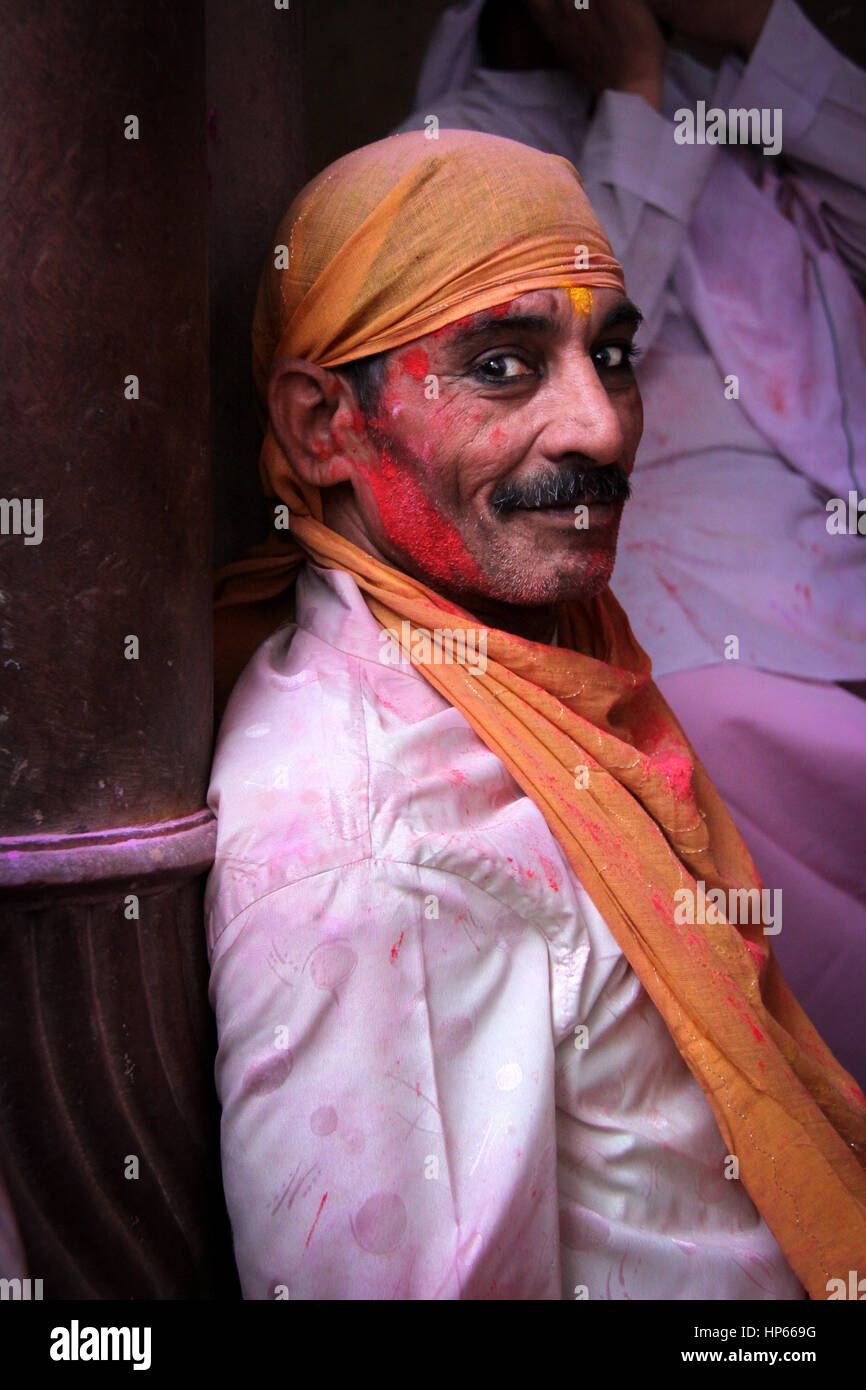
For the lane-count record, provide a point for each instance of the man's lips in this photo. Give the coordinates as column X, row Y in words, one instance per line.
column 597, row 513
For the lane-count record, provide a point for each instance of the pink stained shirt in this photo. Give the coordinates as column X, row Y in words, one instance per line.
column 440, row 1077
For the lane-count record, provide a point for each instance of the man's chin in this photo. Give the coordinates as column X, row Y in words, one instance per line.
column 587, row 585
column 541, row 585
column 579, row 575
column 556, row 563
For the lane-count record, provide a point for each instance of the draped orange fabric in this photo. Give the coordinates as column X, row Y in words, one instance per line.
column 390, row 243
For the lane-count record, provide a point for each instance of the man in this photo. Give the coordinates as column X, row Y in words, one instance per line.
column 467, row 1046
column 748, row 262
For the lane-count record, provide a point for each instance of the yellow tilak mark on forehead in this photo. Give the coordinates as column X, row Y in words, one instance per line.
column 581, row 299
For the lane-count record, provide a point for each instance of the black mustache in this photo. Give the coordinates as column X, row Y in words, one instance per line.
column 609, row 483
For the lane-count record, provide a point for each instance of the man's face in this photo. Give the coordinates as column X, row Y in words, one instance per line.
column 491, row 432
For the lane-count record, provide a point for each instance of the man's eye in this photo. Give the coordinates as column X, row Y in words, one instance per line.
column 615, row 357
column 503, row 367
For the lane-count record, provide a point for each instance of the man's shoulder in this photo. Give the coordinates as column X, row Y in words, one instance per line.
column 317, row 748
column 328, row 760
column 304, row 708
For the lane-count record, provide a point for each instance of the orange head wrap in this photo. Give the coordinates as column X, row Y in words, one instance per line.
column 391, row 243
column 402, row 237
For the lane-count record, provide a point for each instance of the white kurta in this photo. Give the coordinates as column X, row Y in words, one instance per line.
column 440, row 1077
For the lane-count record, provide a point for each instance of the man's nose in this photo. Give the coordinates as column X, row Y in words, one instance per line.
column 582, row 418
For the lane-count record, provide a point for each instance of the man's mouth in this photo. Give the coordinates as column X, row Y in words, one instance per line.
column 582, row 516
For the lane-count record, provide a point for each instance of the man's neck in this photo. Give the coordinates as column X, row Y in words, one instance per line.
column 534, row 624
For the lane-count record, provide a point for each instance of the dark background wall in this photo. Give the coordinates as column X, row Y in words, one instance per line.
column 362, row 63
column 266, row 138
column 109, row 1141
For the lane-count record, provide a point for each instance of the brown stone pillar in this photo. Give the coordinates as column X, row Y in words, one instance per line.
column 108, row 1121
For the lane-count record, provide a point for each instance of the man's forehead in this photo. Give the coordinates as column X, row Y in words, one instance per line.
column 551, row 308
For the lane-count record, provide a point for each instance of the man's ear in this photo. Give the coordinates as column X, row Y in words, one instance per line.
column 313, row 413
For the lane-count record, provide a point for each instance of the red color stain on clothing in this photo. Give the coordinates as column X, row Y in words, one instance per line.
column 650, row 734
column 313, row 1227
column 742, row 1011
column 395, row 949
column 550, row 872
column 777, row 396
column 415, row 363
column 676, row 768
column 415, row 526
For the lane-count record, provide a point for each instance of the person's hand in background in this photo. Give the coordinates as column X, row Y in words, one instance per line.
column 733, row 24
column 615, row 44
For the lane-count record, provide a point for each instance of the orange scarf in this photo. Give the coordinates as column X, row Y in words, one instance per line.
column 581, row 727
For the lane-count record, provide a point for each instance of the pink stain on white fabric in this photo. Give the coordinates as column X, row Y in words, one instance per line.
column 499, row 1113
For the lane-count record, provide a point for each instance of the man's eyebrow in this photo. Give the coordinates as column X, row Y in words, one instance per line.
column 625, row 312
column 491, row 323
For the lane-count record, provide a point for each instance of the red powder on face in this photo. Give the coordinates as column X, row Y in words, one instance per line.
column 496, row 311
column 415, row 363
column 416, row 528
